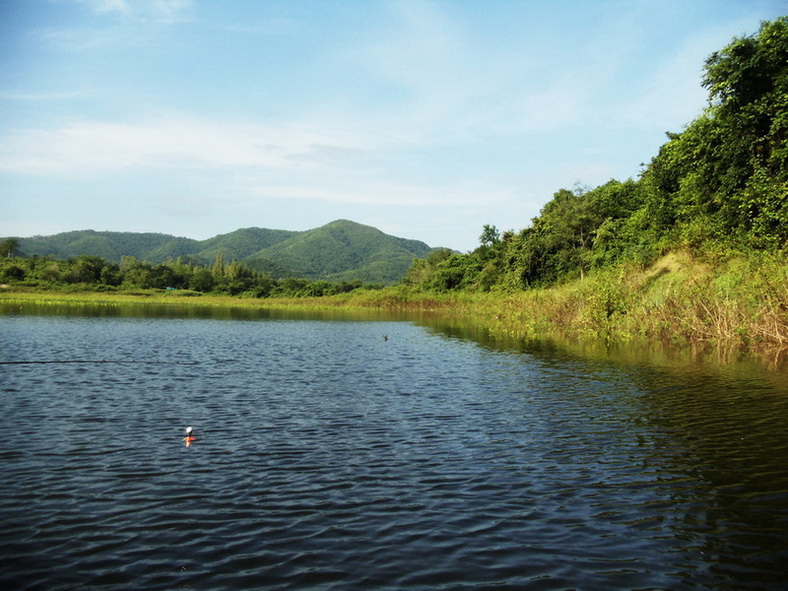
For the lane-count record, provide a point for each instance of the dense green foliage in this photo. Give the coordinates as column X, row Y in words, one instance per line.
column 88, row 272
column 720, row 186
column 339, row 251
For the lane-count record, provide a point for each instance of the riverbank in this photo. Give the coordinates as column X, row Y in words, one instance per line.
column 739, row 304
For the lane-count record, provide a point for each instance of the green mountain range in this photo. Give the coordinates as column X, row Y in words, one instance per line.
column 339, row 251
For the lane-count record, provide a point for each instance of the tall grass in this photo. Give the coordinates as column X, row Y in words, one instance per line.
column 681, row 299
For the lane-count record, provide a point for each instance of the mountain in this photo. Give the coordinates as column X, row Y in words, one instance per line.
column 339, row 251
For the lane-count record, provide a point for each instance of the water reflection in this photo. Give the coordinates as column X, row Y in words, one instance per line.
column 717, row 437
column 727, row 432
column 443, row 456
column 190, row 311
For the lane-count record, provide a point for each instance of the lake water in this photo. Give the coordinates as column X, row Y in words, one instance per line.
column 378, row 455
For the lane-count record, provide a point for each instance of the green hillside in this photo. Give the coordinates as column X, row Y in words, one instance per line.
column 242, row 244
column 339, row 251
column 344, row 251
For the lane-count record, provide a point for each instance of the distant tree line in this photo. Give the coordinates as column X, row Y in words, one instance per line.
column 92, row 272
column 720, row 186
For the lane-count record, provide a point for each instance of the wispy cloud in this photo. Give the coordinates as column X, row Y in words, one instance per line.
column 422, row 57
column 79, row 39
column 107, row 6
column 45, row 96
column 166, row 11
column 452, row 84
column 283, row 161
column 123, row 22
column 671, row 92
column 355, row 189
column 270, row 26
column 169, row 11
column 180, row 141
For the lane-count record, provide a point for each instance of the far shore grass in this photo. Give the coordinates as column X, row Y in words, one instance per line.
column 678, row 301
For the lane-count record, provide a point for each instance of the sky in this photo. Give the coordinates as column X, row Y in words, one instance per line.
column 425, row 119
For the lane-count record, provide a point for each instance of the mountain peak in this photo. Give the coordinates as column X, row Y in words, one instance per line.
column 341, row 250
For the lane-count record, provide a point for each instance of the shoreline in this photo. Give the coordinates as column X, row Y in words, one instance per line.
column 674, row 303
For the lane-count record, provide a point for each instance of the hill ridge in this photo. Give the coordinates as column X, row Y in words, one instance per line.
column 341, row 250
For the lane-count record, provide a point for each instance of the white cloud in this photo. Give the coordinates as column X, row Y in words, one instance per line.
column 85, row 147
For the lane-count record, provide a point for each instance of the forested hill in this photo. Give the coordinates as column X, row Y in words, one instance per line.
column 339, row 251
column 717, row 189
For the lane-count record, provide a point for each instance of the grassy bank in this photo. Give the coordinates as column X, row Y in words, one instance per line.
column 739, row 303
column 680, row 299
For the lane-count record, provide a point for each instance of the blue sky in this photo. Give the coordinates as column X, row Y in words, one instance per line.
column 426, row 119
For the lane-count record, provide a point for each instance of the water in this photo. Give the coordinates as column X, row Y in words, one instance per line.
column 330, row 457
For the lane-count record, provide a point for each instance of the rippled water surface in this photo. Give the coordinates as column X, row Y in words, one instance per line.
column 330, row 457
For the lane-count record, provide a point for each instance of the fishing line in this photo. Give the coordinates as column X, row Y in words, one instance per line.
column 96, row 361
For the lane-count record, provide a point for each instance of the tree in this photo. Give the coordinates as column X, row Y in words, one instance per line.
column 726, row 174
column 9, row 247
column 456, row 272
column 85, row 269
column 12, row 272
column 489, row 236
column 50, row 272
column 422, row 269
column 163, row 276
column 218, row 268
column 202, row 280
column 749, row 68
column 748, row 80
column 136, row 273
